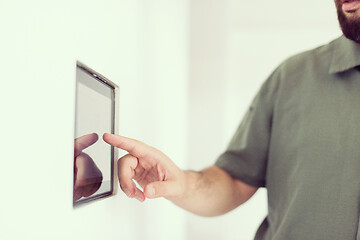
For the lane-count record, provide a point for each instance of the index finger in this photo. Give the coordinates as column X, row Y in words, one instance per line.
column 84, row 141
column 132, row 146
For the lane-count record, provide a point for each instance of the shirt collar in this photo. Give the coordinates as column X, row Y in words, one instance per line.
column 346, row 55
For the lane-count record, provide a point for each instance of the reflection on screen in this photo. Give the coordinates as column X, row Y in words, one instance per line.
column 94, row 114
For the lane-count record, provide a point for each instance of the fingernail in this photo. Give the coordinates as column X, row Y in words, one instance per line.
column 139, row 198
column 127, row 192
column 151, row 191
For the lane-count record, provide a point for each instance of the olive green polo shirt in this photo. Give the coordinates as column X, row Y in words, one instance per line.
column 300, row 139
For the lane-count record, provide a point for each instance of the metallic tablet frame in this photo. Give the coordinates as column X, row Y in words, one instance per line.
column 115, row 117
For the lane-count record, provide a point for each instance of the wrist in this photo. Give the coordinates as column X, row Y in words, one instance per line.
column 187, row 186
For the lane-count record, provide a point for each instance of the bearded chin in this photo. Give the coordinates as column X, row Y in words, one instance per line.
column 350, row 27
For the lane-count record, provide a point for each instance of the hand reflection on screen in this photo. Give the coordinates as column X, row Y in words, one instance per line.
column 87, row 176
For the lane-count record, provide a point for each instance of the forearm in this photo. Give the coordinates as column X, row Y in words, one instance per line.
column 212, row 192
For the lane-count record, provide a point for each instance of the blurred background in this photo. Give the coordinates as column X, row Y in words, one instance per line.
column 187, row 71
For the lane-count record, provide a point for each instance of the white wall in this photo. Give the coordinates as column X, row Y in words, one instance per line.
column 235, row 45
column 140, row 45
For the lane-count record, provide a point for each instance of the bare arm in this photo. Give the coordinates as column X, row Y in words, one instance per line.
column 213, row 192
column 209, row 192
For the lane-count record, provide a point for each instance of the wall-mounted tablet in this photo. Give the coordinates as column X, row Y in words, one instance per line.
column 95, row 114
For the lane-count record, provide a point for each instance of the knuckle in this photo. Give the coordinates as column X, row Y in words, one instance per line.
column 124, row 159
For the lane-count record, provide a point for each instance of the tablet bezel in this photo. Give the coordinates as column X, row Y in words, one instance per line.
column 115, row 115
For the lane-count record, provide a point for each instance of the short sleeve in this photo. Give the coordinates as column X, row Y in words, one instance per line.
column 246, row 156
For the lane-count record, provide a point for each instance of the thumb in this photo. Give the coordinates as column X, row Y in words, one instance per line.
column 161, row 189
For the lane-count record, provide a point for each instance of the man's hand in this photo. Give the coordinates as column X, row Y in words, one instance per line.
column 150, row 168
column 210, row 192
column 87, row 176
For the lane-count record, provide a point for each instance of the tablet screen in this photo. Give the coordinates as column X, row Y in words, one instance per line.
column 93, row 161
